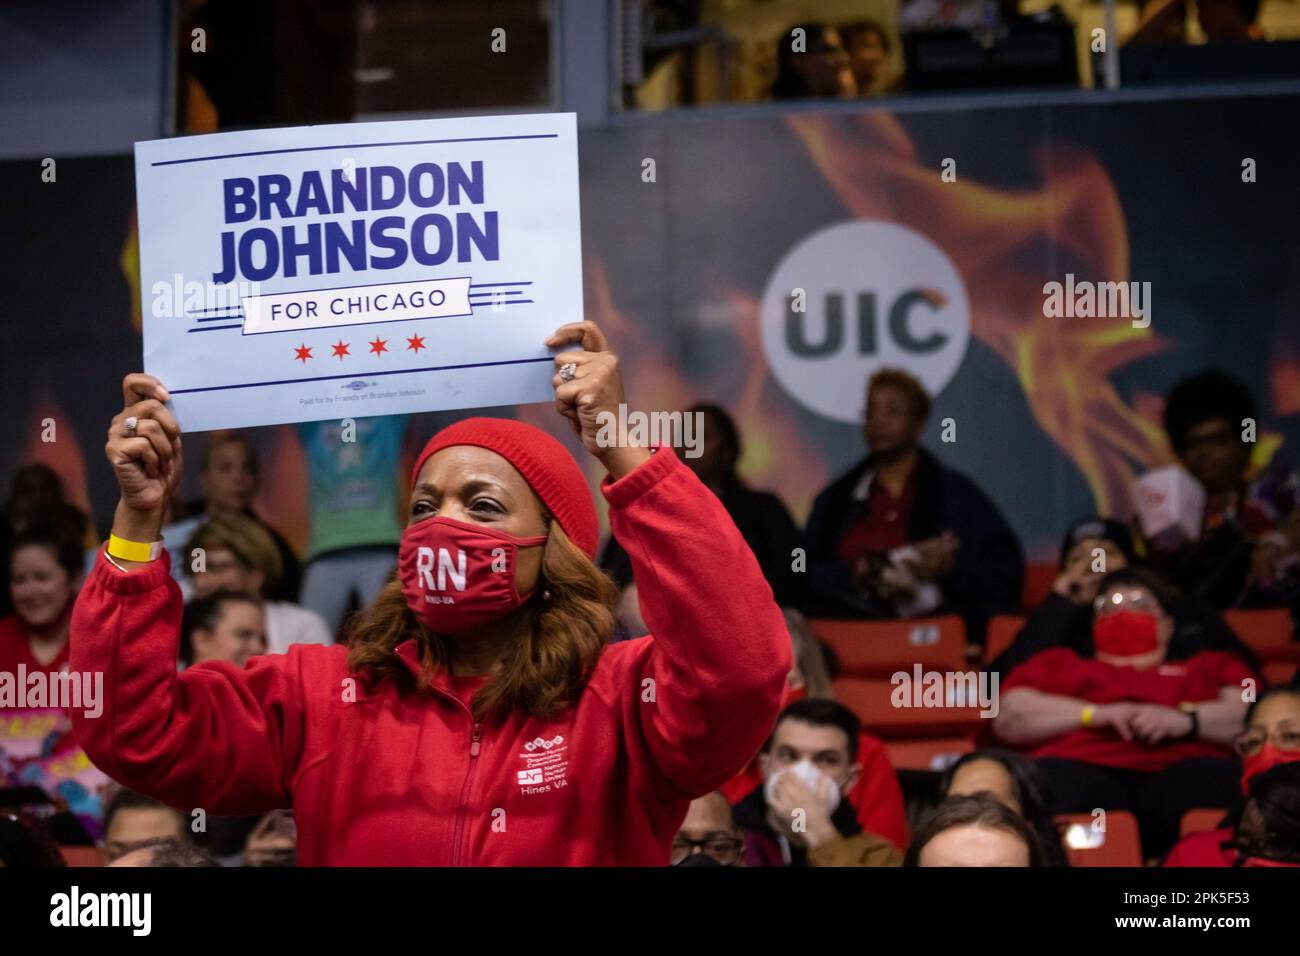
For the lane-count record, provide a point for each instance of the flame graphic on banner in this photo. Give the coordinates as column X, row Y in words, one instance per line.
column 653, row 381
column 1007, row 244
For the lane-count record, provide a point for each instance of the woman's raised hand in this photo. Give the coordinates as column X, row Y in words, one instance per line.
column 590, row 391
column 144, row 448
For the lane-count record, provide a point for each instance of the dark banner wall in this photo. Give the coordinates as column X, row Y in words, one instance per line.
column 921, row 240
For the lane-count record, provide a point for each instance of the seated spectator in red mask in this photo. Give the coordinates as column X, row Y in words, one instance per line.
column 708, row 835
column 225, row 626
column 798, row 816
column 1128, row 727
column 1271, row 739
column 1094, row 547
column 132, row 818
column 45, row 574
column 876, row 798
column 1015, row 782
column 978, row 831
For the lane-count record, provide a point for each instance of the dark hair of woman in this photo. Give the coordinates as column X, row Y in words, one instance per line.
column 973, row 811
column 1032, row 792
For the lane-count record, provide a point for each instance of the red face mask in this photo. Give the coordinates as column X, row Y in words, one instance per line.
column 456, row 576
column 1125, row 634
column 1268, row 757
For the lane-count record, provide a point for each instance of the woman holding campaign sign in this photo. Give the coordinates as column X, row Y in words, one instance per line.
column 478, row 716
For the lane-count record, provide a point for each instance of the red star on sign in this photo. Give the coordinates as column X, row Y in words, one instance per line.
column 304, row 353
column 415, row 343
column 379, row 345
column 340, row 349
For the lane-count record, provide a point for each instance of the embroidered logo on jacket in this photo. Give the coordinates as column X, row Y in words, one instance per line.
column 544, row 761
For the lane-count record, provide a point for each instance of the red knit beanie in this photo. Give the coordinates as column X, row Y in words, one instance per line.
column 545, row 464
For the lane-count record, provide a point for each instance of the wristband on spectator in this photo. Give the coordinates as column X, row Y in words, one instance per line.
column 1086, row 715
column 136, row 551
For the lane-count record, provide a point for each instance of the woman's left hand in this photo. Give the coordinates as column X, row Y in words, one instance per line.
column 591, row 399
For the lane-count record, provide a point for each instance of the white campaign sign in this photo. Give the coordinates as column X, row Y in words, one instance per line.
column 362, row 269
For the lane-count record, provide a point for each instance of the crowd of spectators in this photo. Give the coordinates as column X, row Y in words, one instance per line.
column 1125, row 690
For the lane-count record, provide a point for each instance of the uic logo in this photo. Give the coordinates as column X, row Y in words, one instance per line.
column 859, row 296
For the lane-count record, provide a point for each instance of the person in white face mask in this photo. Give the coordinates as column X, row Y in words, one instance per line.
column 798, row 816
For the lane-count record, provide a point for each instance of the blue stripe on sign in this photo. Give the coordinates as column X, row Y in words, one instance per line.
column 329, row 378
column 314, row 149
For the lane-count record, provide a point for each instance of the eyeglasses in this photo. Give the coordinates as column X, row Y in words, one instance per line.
column 1138, row 600
column 725, row 850
column 1284, row 736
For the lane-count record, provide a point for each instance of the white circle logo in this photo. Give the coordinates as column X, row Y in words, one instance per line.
column 856, row 297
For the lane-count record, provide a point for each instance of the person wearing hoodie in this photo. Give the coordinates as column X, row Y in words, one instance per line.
column 478, row 715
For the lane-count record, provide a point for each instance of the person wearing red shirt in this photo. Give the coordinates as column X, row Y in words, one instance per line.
column 45, row 573
column 1129, row 728
column 1271, row 739
column 479, row 715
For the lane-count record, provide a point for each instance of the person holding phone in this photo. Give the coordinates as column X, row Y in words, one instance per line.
column 478, row 715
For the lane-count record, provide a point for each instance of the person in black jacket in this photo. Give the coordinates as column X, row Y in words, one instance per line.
column 1094, row 547
column 761, row 518
column 900, row 535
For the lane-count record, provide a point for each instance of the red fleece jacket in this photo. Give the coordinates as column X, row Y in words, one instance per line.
column 404, row 780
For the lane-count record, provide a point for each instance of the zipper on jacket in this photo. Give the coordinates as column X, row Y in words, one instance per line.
column 463, row 809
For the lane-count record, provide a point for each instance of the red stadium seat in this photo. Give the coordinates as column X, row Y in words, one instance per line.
column 1039, row 578
column 929, row 754
column 1278, row 672
column 1117, row 844
column 1200, row 820
column 82, row 855
column 1000, row 634
column 1267, row 631
column 879, row 648
column 872, row 701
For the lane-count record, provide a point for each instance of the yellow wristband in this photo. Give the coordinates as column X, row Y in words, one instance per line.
column 1086, row 715
column 136, row 551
